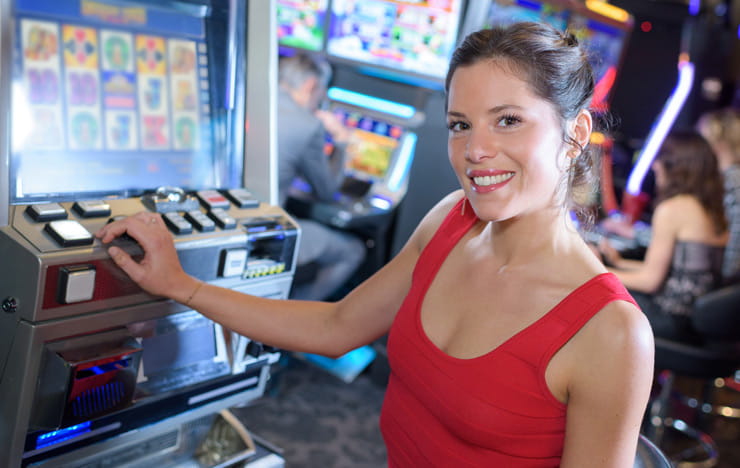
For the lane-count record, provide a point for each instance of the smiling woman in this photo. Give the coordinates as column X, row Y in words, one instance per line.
column 509, row 343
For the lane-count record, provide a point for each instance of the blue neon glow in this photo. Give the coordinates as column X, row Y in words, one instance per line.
column 662, row 127
column 60, row 435
column 371, row 102
column 380, row 202
column 694, row 6
column 405, row 156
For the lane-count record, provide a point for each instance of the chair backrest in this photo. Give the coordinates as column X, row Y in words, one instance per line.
column 716, row 314
column 649, row 455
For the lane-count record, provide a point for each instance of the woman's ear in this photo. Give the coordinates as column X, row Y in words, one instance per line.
column 582, row 127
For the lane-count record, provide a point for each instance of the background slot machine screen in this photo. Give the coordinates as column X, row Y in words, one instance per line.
column 372, row 146
column 505, row 12
column 300, row 24
column 109, row 97
column 605, row 43
column 411, row 37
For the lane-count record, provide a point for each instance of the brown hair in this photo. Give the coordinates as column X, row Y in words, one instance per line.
column 722, row 126
column 556, row 69
column 691, row 168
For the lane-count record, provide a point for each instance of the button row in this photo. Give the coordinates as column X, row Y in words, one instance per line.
column 52, row 211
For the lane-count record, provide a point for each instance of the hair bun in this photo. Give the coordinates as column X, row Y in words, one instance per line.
column 571, row 39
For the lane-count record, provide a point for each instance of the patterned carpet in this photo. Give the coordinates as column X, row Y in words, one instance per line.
column 320, row 421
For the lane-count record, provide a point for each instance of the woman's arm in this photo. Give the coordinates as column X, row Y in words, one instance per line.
column 609, row 388
column 325, row 328
column 648, row 275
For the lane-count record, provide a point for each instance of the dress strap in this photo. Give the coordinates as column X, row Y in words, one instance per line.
column 458, row 221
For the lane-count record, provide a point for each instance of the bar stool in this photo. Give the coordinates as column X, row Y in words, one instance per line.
column 716, row 319
column 649, row 455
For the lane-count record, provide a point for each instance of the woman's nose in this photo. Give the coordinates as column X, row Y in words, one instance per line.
column 480, row 146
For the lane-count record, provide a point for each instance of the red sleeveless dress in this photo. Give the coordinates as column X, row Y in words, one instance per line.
column 491, row 411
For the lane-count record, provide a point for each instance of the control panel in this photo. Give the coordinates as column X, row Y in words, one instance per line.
column 89, row 358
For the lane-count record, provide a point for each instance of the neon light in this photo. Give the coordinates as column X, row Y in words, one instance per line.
column 694, row 6
column 597, row 138
column 379, row 202
column 60, row 435
column 370, row 102
column 662, row 126
column 610, row 11
column 602, row 88
column 405, row 156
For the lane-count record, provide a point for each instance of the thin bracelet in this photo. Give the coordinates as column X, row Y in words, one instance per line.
column 187, row 302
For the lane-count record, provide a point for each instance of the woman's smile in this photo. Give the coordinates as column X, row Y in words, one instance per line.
column 483, row 181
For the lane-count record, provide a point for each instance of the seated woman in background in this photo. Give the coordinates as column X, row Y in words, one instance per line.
column 689, row 232
column 721, row 128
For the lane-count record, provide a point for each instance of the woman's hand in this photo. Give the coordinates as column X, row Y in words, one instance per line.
column 159, row 272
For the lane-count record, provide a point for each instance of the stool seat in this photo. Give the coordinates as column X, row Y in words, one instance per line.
column 716, row 355
column 649, row 455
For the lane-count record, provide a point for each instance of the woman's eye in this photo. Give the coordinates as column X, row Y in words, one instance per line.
column 457, row 126
column 508, row 121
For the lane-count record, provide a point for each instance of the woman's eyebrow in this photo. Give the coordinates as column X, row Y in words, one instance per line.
column 492, row 110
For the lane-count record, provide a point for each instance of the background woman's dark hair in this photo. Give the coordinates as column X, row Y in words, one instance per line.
column 691, row 168
column 557, row 70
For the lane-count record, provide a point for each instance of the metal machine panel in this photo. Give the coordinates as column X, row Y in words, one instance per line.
column 122, row 106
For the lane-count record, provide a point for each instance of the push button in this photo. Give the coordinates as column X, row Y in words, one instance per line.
column 69, row 233
column 92, row 208
column 212, row 199
column 76, row 283
column 201, row 222
column 243, row 198
column 46, row 212
column 177, row 223
column 222, row 218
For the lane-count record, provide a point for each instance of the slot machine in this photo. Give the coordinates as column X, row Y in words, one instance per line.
column 110, row 108
column 389, row 59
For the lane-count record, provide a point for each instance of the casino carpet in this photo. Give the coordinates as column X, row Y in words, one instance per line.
column 321, row 422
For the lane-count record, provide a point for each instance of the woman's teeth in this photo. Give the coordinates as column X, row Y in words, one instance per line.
column 492, row 180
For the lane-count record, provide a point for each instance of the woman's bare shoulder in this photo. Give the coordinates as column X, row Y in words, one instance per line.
column 620, row 329
column 434, row 218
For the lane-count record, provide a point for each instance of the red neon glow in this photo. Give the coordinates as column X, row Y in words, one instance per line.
column 602, row 88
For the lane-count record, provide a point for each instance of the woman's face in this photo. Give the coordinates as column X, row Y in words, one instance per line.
column 505, row 143
column 659, row 173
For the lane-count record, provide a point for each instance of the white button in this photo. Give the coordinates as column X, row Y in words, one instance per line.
column 80, row 285
column 234, row 262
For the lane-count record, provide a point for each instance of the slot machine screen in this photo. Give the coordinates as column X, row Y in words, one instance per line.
column 300, row 24
column 372, row 146
column 415, row 38
column 605, row 44
column 505, row 12
column 111, row 96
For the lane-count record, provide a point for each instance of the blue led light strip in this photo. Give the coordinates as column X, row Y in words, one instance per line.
column 405, row 156
column 694, row 7
column 370, row 102
column 55, row 437
column 662, row 126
